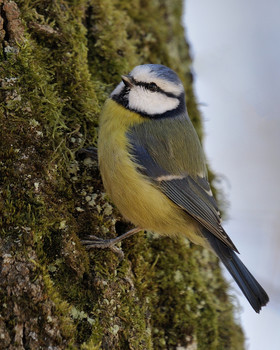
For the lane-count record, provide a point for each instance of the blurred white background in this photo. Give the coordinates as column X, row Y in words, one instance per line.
column 236, row 51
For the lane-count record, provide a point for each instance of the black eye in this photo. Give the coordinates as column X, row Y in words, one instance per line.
column 152, row 87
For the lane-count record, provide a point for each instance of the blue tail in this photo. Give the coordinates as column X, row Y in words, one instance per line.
column 252, row 290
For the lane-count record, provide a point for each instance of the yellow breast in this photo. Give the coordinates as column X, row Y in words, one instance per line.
column 138, row 200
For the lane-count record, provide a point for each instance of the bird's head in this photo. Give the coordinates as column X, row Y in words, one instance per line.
column 152, row 90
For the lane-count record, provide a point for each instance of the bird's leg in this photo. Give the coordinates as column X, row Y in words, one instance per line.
column 92, row 242
column 90, row 152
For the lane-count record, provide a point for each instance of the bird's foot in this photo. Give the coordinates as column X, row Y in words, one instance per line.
column 92, row 242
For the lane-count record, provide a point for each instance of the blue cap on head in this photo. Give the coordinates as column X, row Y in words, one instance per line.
column 164, row 72
column 146, row 71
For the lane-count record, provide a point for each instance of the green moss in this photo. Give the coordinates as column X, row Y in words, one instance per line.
column 163, row 294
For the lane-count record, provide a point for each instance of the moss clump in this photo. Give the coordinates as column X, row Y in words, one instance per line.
column 59, row 61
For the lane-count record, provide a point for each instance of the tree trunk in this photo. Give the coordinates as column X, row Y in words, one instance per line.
column 59, row 61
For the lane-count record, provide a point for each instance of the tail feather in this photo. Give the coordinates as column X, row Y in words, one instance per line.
column 250, row 287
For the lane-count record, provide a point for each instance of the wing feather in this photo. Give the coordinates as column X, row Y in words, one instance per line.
column 192, row 194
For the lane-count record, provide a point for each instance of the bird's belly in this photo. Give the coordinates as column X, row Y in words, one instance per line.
column 138, row 200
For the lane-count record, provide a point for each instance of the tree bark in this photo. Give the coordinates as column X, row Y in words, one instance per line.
column 59, row 61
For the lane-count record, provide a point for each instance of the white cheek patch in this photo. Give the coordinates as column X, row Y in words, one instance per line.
column 143, row 100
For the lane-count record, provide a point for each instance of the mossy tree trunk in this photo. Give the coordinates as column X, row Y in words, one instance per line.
column 59, row 61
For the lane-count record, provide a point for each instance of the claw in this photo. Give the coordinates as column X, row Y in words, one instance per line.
column 97, row 242
column 92, row 242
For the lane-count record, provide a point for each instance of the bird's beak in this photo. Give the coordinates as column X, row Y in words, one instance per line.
column 128, row 80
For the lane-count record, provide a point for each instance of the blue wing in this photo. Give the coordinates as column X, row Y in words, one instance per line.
column 191, row 193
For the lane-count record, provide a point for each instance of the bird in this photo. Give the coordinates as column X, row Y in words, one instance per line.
column 154, row 170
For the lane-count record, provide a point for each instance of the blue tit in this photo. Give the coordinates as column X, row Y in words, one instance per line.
column 153, row 168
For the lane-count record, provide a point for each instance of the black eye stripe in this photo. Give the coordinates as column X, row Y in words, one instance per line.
column 153, row 87
column 148, row 86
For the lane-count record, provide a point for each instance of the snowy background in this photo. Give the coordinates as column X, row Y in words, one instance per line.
column 236, row 51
